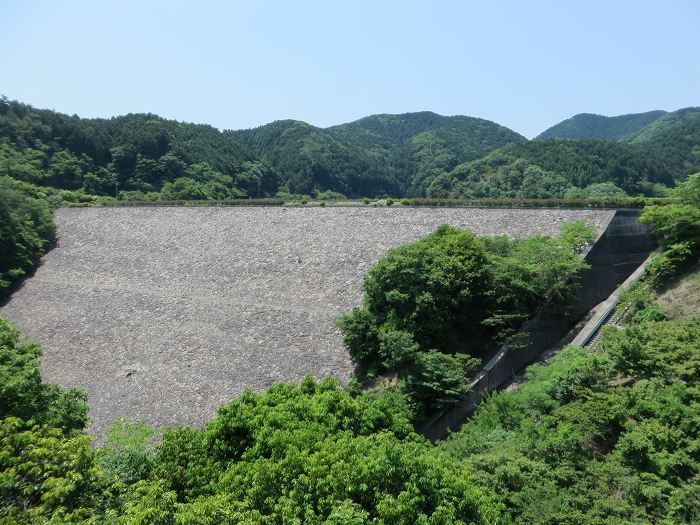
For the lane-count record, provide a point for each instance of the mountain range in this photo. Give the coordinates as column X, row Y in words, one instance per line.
column 144, row 156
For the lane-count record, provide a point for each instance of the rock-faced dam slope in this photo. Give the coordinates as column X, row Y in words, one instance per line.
column 163, row 314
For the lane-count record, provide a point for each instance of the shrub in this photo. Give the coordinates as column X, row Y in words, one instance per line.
column 688, row 191
column 679, row 223
column 26, row 229
column 389, row 201
column 329, row 195
column 426, row 287
column 24, row 395
column 664, row 265
column 365, row 200
column 438, row 380
column 128, row 455
column 361, row 336
column 405, row 202
column 47, row 477
column 396, row 348
column 650, row 313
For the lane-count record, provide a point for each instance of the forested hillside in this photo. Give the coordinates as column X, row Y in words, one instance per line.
column 591, row 126
column 143, row 153
column 394, row 154
column 653, row 161
column 673, row 123
column 26, row 229
column 417, row 147
column 146, row 157
column 632, row 128
column 312, row 159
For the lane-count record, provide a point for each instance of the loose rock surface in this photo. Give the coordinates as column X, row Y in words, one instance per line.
column 163, row 314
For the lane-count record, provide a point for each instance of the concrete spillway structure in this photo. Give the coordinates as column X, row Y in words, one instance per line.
column 163, row 314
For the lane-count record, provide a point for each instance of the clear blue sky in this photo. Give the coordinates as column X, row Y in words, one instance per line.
column 524, row 64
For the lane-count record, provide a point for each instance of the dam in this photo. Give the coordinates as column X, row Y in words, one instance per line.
column 163, row 314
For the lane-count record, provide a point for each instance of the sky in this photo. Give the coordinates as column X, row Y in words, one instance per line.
column 524, row 64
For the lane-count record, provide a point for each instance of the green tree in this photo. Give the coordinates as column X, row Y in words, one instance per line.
column 45, row 477
column 688, row 191
column 26, row 229
column 24, row 395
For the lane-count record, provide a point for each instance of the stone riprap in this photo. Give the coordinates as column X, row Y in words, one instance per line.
column 163, row 314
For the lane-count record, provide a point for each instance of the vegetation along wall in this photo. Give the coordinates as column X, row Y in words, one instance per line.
column 621, row 247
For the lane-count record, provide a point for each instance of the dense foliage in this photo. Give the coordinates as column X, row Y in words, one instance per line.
column 416, row 147
column 605, row 437
column 590, row 126
column 313, row 159
column 433, row 308
column 678, row 229
column 556, row 168
column 26, row 229
column 310, row 453
column 146, row 157
column 669, row 122
column 644, row 154
column 134, row 153
column 596, row 438
column 22, row 393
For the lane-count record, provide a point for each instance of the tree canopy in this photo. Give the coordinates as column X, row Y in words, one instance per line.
column 433, row 309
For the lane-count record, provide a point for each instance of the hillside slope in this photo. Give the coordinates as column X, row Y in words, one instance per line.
column 308, row 158
column 591, row 126
column 417, row 147
column 626, row 156
column 135, row 152
column 674, row 122
column 147, row 157
column 395, row 154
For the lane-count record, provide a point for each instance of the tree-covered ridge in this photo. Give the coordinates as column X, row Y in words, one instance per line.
column 146, row 157
column 557, row 168
column 392, row 154
column 308, row 159
column 134, row 153
column 582, row 162
column 664, row 124
column 592, row 126
column 651, row 127
column 419, row 146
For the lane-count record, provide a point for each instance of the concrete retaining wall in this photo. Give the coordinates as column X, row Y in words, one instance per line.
column 618, row 251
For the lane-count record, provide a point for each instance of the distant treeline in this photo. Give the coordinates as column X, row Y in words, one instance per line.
column 146, row 157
